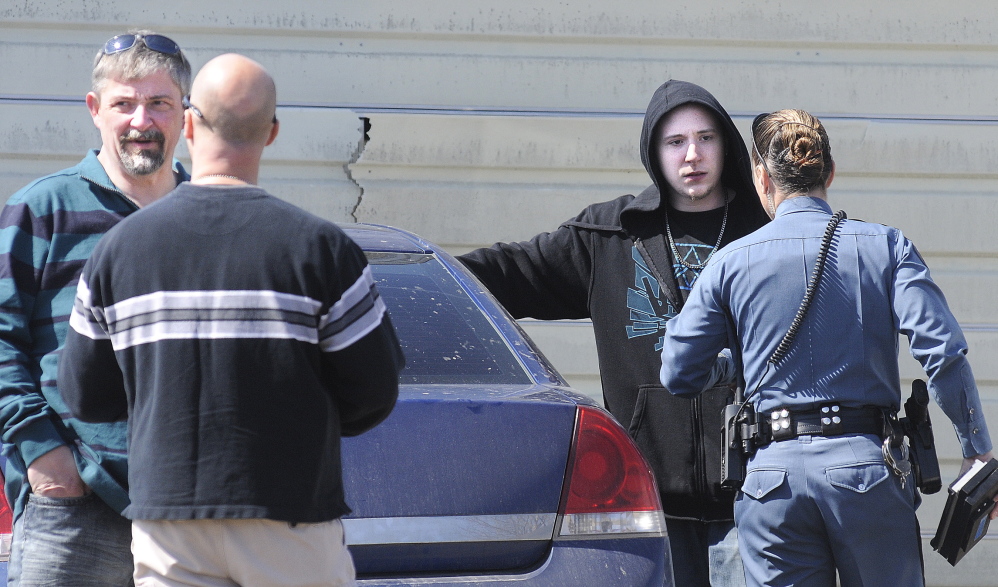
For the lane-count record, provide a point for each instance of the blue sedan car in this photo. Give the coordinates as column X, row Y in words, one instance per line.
column 491, row 470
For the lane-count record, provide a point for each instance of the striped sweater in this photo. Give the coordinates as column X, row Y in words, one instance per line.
column 47, row 231
column 241, row 337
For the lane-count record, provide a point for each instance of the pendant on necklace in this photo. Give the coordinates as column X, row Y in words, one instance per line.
column 717, row 245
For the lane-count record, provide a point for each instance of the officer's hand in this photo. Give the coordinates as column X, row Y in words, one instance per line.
column 723, row 372
column 54, row 474
column 969, row 462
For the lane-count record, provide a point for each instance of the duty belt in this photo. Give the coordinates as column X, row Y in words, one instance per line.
column 826, row 420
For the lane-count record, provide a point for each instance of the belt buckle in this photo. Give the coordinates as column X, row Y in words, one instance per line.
column 781, row 425
column 831, row 420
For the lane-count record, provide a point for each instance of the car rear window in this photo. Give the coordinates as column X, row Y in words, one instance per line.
column 446, row 337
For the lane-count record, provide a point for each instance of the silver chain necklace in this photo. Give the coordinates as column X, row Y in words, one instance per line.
column 225, row 175
column 717, row 245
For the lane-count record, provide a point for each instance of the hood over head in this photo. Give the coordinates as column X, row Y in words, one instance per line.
column 737, row 173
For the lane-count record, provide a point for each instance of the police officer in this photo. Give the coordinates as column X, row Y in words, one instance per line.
column 819, row 495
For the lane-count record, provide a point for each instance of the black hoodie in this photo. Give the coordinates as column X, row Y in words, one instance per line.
column 612, row 263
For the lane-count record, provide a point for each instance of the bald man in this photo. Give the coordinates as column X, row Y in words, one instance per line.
column 241, row 337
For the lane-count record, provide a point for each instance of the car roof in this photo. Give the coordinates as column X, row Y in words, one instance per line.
column 374, row 237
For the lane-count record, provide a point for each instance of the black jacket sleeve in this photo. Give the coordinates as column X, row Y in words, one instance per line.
column 548, row 277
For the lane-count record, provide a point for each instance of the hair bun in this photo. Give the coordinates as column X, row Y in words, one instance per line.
column 806, row 153
column 797, row 148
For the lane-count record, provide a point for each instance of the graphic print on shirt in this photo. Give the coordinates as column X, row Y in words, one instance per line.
column 650, row 310
column 694, row 254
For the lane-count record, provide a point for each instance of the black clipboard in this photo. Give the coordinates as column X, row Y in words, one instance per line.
column 966, row 518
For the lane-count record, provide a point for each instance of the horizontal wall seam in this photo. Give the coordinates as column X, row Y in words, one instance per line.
column 457, row 110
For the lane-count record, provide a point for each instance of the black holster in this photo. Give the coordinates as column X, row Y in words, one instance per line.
column 918, row 429
column 737, row 441
column 732, row 459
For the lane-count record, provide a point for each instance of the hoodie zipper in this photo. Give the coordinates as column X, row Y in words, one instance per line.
column 699, row 457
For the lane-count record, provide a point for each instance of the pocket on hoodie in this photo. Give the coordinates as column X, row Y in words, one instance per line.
column 662, row 427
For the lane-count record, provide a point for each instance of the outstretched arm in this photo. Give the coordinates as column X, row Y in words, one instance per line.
column 547, row 277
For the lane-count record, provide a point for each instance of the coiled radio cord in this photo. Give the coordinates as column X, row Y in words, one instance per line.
column 812, row 288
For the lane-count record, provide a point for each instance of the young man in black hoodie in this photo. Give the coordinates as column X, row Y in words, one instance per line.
column 629, row 264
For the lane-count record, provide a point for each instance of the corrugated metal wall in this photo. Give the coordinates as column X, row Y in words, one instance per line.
column 496, row 122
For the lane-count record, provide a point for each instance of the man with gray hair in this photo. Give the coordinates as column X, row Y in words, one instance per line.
column 66, row 479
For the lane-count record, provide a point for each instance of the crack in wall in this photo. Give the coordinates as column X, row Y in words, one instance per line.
column 361, row 145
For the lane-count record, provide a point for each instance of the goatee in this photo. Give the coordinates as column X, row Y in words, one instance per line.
column 143, row 161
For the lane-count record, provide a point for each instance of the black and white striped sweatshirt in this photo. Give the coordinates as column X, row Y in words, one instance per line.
column 241, row 337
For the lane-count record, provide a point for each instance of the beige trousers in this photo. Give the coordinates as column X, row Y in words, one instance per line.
column 240, row 553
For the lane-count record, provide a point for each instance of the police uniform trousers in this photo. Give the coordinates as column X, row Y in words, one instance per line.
column 813, row 504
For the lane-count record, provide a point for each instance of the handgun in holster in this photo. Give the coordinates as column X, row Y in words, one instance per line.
column 918, row 429
column 737, row 441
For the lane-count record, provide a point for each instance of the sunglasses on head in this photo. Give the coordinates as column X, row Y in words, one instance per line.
column 157, row 43
column 758, row 119
column 755, row 148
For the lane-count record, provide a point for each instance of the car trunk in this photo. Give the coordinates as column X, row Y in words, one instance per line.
column 458, row 484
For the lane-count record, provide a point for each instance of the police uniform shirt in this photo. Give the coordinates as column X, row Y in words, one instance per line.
column 874, row 286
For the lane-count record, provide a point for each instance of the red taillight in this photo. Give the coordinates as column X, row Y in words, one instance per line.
column 6, row 523
column 610, row 487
